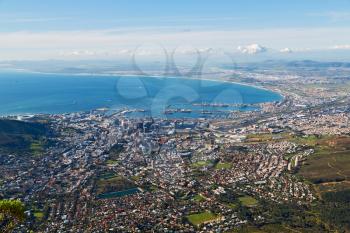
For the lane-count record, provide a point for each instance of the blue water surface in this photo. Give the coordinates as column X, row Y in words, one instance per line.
column 31, row 93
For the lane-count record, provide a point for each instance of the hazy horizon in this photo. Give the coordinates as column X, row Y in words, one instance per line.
column 106, row 30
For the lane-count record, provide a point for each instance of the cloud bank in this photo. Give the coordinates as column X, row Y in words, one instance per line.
column 252, row 49
column 123, row 42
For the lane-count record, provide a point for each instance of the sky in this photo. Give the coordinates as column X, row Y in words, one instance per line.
column 103, row 29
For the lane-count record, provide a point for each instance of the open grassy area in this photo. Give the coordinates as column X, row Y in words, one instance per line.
column 259, row 137
column 38, row 215
column 266, row 137
column 248, row 201
column 201, row 218
column 231, row 205
column 222, row 165
column 199, row 198
column 112, row 162
column 307, row 140
column 37, row 147
column 200, row 164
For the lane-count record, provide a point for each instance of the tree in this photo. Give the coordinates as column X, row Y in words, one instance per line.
column 11, row 213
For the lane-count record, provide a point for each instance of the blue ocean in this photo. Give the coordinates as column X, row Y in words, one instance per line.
column 32, row 93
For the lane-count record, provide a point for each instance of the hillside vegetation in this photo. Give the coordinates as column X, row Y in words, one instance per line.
column 22, row 137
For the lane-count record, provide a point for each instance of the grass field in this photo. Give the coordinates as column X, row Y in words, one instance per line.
column 231, row 205
column 266, row 137
column 307, row 140
column 37, row 148
column 201, row 218
column 38, row 215
column 112, row 162
column 259, row 137
column 248, row 201
column 199, row 198
column 200, row 164
column 222, row 165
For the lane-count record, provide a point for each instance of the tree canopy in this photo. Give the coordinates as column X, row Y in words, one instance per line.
column 11, row 213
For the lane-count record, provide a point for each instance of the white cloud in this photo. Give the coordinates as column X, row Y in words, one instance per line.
column 252, row 49
column 76, row 44
column 345, row 46
column 96, row 53
column 78, row 53
column 286, row 50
